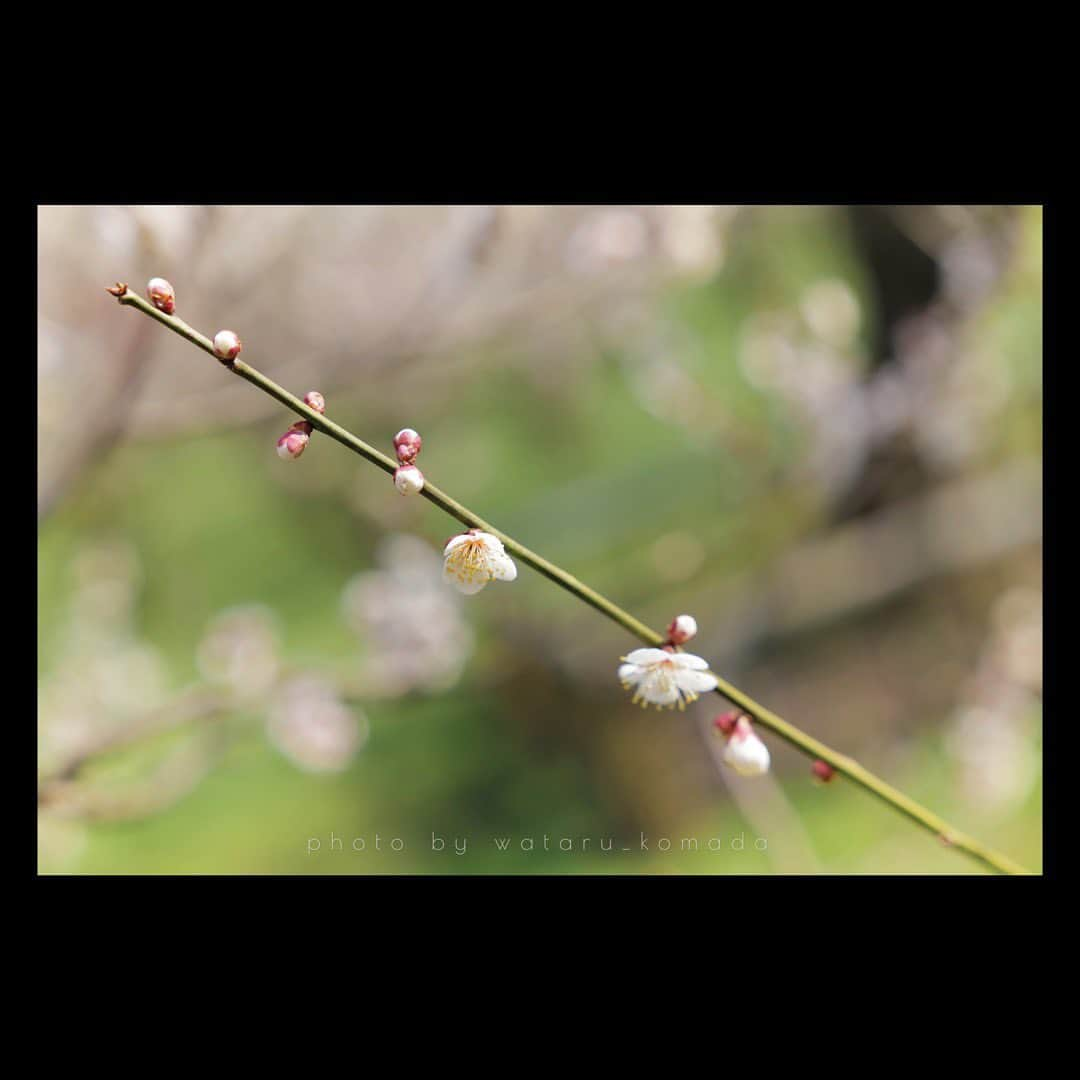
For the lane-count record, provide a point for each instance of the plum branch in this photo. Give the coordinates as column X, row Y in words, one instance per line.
column 841, row 763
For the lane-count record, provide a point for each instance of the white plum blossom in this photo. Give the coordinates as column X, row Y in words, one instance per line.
column 474, row 558
column 665, row 679
column 745, row 752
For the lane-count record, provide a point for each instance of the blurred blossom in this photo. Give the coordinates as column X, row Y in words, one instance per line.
column 105, row 675
column 993, row 734
column 169, row 230
column 971, row 269
column 957, row 390
column 691, row 238
column 767, row 355
column 841, row 438
column 116, row 231
column 103, row 601
column 310, row 724
column 821, row 383
column 240, row 650
column 605, row 239
column 832, row 312
column 408, row 619
column 1018, row 622
column 888, row 405
column 998, row 757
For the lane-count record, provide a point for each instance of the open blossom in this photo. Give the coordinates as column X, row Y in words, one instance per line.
column 473, row 559
column 745, row 752
column 665, row 679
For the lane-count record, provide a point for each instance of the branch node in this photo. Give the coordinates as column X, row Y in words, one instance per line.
column 118, row 289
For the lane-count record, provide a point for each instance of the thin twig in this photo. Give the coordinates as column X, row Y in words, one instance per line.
column 945, row 832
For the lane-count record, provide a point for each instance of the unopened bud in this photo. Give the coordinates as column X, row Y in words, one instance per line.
column 745, row 752
column 314, row 400
column 822, row 771
column 292, row 444
column 227, row 345
column 162, row 295
column 725, row 722
column 407, row 444
column 682, row 629
column 409, row 480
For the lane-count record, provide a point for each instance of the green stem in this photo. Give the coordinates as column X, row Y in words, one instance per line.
column 807, row 744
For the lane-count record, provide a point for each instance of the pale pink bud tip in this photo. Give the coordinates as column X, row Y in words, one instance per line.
column 161, row 295
column 292, row 444
column 682, row 629
column 822, row 771
column 314, row 400
column 227, row 345
column 725, row 722
column 407, row 443
column 409, row 480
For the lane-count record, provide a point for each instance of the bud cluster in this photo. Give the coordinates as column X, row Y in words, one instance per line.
column 294, row 442
column 408, row 479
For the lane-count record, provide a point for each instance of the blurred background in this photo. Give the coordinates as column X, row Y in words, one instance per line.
column 816, row 429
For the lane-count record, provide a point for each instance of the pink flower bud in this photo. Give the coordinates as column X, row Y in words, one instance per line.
column 822, row 771
column 292, row 444
column 409, row 480
column 314, row 400
column 682, row 629
column 725, row 722
column 227, row 345
column 407, row 444
column 161, row 295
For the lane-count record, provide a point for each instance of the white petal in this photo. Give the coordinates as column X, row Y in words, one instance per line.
column 697, row 682
column 492, row 544
column 630, row 673
column 657, row 692
column 467, row 581
column 748, row 755
column 644, row 657
column 689, row 660
column 470, row 587
column 503, row 567
column 454, row 542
